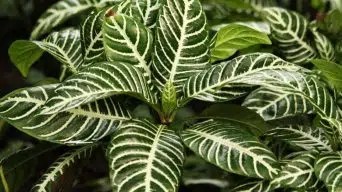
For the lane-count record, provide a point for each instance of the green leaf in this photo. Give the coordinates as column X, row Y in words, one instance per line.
column 289, row 31
column 61, row 11
column 53, row 180
column 245, row 154
column 169, row 99
column 299, row 172
column 65, row 46
column 85, row 124
column 12, row 147
column 148, row 11
column 262, row 186
column 235, row 37
column 145, row 157
column 331, row 70
column 324, row 47
column 91, row 33
column 99, row 80
column 229, row 75
column 305, row 137
column 328, row 168
column 127, row 40
column 182, row 42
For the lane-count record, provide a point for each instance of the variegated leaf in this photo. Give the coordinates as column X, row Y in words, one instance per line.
column 62, row 11
column 299, row 172
column 328, row 168
column 244, row 153
column 84, row 124
column 145, row 157
column 65, row 46
column 97, row 81
column 182, row 42
column 254, row 186
column 231, row 75
column 148, row 11
column 289, row 30
column 324, row 47
column 127, row 40
column 305, row 137
column 57, row 170
column 91, row 33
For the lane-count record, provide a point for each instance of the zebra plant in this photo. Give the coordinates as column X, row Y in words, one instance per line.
column 160, row 53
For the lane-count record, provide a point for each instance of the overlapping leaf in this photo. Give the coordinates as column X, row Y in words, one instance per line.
column 328, row 168
column 145, row 157
column 305, row 137
column 97, row 81
column 182, row 42
column 65, row 46
column 148, row 11
column 49, row 181
column 231, row 75
column 84, row 124
column 324, row 47
column 61, row 11
column 127, row 40
column 289, row 30
column 254, row 186
column 244, row 153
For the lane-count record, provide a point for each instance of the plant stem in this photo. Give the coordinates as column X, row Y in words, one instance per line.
column 3, row 180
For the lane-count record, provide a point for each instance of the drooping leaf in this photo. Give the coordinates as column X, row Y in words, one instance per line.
column 259, row 186
column 65, row 46
column 85, row 124
column 331, row 70
column 145, row 157
column 245, row 154
column 208, row 84
column 299, row 172
column 324, row 47
column 127, row 40
column 91, row 33
column 53, row 180
column 148, row 11
column 182, row 42
column 97, row 81
column 235, row 37
column 289, row 31
column 328, row 168
column 62, row 11
column 305, row 137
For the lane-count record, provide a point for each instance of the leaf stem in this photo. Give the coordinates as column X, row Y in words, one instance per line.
column 3, row 180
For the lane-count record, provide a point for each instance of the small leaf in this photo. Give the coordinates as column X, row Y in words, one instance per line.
column 245, row 154
column 145, row 157
column 235, row 37
column 148, row 11
column 324, row 47
column 169, row 98
column 331, row 70
column 262, row 186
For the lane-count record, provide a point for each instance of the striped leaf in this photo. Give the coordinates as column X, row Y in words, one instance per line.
column 84, row 124
column 71, row 159
column 245, row 154
column 182, row 42
column 97, row 81
column 305, row 137
column 254, row 186
column 91, row 33
column 324, row 47
column 145, row 157
column 328, row 168
column 65, row 46
column 230, row 75
column 148, row 10
column 127, row 40
column 289, row 32
column 62, row 11
column 299, row 172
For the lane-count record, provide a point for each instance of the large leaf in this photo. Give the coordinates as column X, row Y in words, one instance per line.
column 331, row 70
column 328, row 168
column 289, row 31
column 91, row 33
column 305, row 137
column 148, row 11
column 244, row 153
column 207, row 85
column 98, row 81
column 60, row 12
column 53, row 180
column 65, row 46
column 299, row 172
column 84, row 124
column 145, row 157
column 235, row 37
column 127, row 40
column 324, row 47
column 182, row 42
